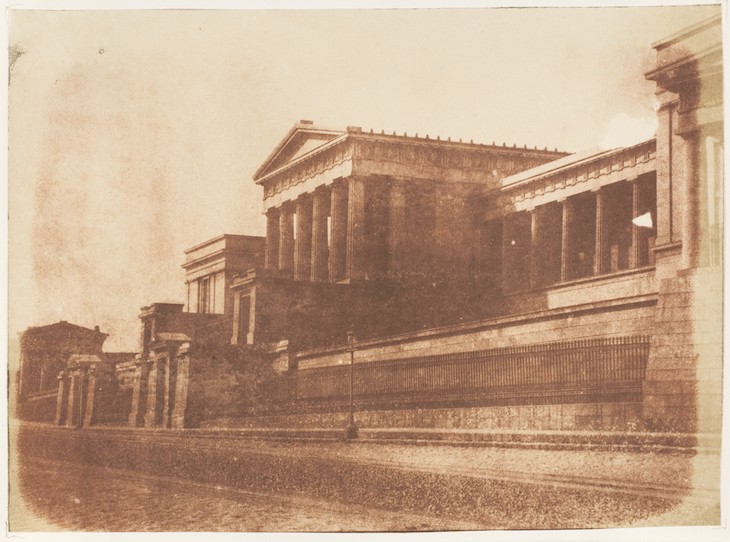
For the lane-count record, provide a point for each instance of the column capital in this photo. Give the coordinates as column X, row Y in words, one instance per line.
column 304, row 197
column 339, row 181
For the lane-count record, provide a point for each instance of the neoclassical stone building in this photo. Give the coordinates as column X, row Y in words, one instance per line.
column 487, row 286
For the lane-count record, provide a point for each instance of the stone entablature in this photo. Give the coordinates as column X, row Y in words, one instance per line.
column 447, row 161
column 569, row 176
column 359, row 153
column 320, row 168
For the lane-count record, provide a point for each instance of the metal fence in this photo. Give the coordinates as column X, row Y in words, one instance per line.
column 607, row 369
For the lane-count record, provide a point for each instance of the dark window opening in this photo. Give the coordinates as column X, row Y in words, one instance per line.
column 516, row 252
column 244, row 319
column 548, row 243
column 617, row 227
column 204, row 295
column 582, row 237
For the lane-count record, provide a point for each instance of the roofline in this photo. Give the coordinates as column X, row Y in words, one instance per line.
column 218, row 238
column 359, row 134
column 688, row 31
column 285, row 141
column 464, row 144
column 527, row 178
column 37, row 329
column 336, row 141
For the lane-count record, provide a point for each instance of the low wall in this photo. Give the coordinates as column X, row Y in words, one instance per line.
column 40, row 407
column 587, row 416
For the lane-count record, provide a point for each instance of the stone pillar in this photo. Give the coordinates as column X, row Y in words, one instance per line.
column 566, row 240
column 320, row 238
column 506, row 253
column 139, row 394
column 61, row 399
column 690, row 205
column 338, row 241
column 272, row 239
column 286, row 239
column 93, row 382
column 635, row 256
column 303, row 244
column 356, row 252
column 535, row 241
column 182, row 382
column 397, row 235
column 151, row 411
column 74, row 403
column 166, row 398
column 601, row 252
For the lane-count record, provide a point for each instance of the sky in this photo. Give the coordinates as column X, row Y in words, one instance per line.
column 134, row 134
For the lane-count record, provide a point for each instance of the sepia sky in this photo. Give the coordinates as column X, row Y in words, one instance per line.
column 134, row 134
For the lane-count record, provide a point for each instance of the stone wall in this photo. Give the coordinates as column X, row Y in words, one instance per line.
column 683, row 387
column 40, row 407
column 589, row 416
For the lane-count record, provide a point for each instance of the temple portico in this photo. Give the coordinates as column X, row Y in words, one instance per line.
column 340, row 205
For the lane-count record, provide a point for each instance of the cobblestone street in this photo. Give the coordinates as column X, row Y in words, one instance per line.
column 105, row 480
column 63, row 496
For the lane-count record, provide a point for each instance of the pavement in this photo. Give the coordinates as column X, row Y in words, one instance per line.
column 451, row 486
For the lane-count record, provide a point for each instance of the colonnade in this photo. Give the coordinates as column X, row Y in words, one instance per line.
column 584, row 235
column 322, row 236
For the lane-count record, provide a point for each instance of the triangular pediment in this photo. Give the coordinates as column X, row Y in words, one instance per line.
column 301, row 140
column 62, row 326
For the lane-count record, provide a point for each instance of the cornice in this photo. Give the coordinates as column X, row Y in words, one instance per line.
column 623, row 164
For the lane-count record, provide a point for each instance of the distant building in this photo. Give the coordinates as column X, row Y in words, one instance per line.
column 210, row 267
column 48, row 357
column 45, row 350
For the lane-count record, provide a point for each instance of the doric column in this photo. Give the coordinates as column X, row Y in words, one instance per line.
column 397, row 234
column 690, row 206
column 535, row 242
column 272, row 239
column 139, row 393
column 303, row 244
column 74, row 403
column 61, row 399
column 338, row 241
column 320, row 248
column 356, row 250
column 286, row 238
column 566, row 240
column 635, row 257
column 601, row 252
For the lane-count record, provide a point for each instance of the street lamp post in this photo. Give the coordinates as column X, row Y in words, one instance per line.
column 351, row 429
